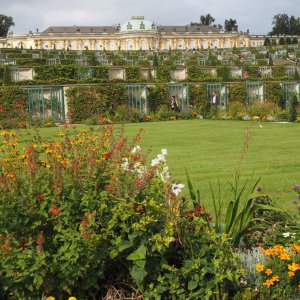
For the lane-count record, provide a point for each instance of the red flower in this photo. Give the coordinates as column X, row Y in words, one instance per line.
column 54, row 210
column 40, row 197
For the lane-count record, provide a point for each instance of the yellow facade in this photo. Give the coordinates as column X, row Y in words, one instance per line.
column 136, row 34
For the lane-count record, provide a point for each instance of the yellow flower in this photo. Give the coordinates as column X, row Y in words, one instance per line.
column 275, row 278
column 259, row 267
column 269, row 282
column 291, row 274
column 295, row 248
column 294, row 267
column 50, row 298
column 72, row 298
column 268, row 272
column 284, row 256
column 269, row 252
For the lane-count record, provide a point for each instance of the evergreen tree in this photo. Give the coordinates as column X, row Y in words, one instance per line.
column 267, row 42
column 292, row 115
column 296, row 75
column 271, row 61
column 281, row 41
column 7, row 77
column 155, row 60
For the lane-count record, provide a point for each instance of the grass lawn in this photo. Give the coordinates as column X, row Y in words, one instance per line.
column 210, row 151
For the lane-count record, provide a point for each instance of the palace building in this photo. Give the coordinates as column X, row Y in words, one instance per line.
column 136, row 34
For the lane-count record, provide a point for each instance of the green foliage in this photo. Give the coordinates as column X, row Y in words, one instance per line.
column 133, row 74
column 273, row 91
column 263, row 109
column 236, row 218
column 281, row 41
column 224, row 73
column 292, row 113
column 53, row 72
column 158, row 95
column 85, row 193
column 278, row 72
column 5, row 23
column 7, row 76
column 13, row 107
column 101, row 72
column 198, row 98
column 84, row 102
column 267, row 42
column 237, row 92
column 163, row 73
column 271, row 61
column 230, row 25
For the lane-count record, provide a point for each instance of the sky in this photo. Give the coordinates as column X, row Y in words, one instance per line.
column 255, row 15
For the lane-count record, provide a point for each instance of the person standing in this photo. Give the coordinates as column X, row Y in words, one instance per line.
column 174, row 104
column 215, row 99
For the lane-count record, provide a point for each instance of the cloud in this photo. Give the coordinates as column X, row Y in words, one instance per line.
column 256, row 15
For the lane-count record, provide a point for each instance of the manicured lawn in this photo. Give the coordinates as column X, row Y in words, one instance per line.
column 210, row 151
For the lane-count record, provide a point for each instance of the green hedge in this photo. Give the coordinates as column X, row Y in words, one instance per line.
column 13, row 107
column 54, row 72
column 87, row 101
column 237, row 92
column 101, row 72
column 133, row 74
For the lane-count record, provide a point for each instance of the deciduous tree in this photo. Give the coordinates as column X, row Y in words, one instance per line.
column 5, row 24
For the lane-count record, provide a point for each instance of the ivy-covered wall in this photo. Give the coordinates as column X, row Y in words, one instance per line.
column 237, row 92
column 87, row 101
column 13, row 107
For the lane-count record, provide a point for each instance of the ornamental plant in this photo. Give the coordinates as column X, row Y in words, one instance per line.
column 280, row 272
column 85, row 211
column 73, row 209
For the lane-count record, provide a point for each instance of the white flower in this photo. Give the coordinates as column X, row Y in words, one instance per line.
column 176, row 188
column 164, row 151
column 155, row 162
column 161, row 157
column 164, row 175
column 125, row 164
column 288, row 234
column 136, row 149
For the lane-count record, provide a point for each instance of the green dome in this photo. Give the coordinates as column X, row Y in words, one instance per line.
column 138, row 24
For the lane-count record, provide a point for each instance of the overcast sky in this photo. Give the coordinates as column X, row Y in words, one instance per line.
column 255, row 15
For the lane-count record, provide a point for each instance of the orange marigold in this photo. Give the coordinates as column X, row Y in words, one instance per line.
column 260, row 267
column 291, row 274
column 269, row 282
column 269, row 272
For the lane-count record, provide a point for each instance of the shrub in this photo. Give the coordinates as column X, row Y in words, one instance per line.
column 292, row 114
column 280, row 272
column 87, row 101
column 261, row 109
column 85, row 212
column 13, row 109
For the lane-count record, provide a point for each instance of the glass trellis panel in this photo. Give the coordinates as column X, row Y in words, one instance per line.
column 181, row 93
column 14, row 74
column 290, row 71
column 201, row 62
column 137, row 97
column 221, row 92
column 36, row 107
column 57, row 104
column 265, row 71
column 255, row 92
column 290, row 89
